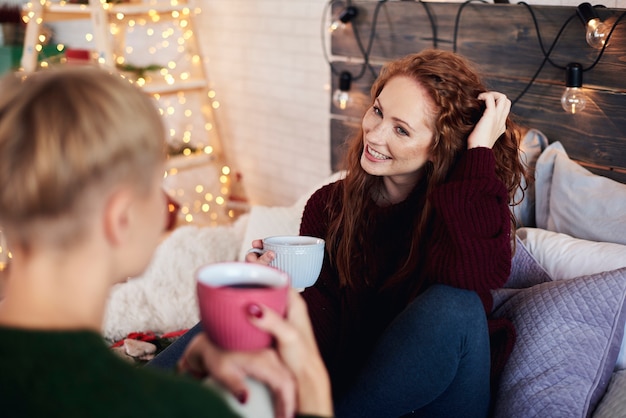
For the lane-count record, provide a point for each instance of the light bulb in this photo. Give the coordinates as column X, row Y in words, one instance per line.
column 341, row 96
column 597, row 31
column 342, row 99
column 344, row 17
column 573, row 99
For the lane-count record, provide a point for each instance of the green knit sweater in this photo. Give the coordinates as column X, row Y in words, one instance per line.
column 74, row 374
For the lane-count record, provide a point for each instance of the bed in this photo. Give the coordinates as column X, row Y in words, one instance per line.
column 567, row 289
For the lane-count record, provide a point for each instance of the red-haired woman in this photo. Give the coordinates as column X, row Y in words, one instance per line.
column 417, row 235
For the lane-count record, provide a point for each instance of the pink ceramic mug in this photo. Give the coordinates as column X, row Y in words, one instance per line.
column 225, row 290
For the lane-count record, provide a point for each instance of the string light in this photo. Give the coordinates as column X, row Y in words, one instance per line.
column 341, row 96
column 573, row 99
column 163, row 57
column 597, row 31
column 346, row 16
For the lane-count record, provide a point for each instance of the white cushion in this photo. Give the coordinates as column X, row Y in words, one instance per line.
column 566, row 257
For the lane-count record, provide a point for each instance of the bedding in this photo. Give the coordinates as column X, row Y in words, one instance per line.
column 568, row 338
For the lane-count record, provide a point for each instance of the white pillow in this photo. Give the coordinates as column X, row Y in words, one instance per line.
column 566, row 257
column 267, row 221
column 574, row 201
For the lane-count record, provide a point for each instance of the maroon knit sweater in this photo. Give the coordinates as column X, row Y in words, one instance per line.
column 469, row 247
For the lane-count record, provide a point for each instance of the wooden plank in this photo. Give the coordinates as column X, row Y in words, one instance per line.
column 341, row 131
column 403, row 28
column 501, row 40
column 595, row 136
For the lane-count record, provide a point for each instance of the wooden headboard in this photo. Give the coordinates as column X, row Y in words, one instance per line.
column 502, row 41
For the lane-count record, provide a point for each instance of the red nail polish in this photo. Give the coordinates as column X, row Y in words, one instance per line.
column 255, row 310
column 242, row 397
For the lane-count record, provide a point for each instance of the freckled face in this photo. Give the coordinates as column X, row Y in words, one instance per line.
column 396, row 132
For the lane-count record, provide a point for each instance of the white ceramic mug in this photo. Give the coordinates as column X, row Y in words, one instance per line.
column 299, row 256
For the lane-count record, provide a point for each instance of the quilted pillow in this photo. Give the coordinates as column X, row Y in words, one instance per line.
column 526, row 270
column 569, row 335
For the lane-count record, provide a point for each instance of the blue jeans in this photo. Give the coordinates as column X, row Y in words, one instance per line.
column 432, row 361
column 168, row 358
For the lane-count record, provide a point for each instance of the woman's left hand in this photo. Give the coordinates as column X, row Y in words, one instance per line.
column 493, row 122
column 266, row 258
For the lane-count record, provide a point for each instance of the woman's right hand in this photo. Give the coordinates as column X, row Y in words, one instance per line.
column 202, row 358
column 297, row 348
column 266, row 258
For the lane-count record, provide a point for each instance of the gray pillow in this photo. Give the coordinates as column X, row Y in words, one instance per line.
column 576, row 202
column 568, row 337
column 531, row 146
column 613, row 403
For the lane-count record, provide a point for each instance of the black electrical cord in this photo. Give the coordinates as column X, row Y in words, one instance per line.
column 543, row 62
column 458, row 18
column 547, row 53
column 370, row 42
column 364, row 52
column 323, row 37
column 538, row 32
column 431, row 19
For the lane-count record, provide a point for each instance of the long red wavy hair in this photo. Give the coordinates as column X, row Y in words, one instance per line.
column 453, row 85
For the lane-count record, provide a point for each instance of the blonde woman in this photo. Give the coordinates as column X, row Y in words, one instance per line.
column 81, row 204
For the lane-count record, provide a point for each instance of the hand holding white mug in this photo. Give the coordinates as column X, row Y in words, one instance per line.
column 265, row 257
column 301, row 257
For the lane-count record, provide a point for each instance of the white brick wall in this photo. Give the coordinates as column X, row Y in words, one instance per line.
column 265, row 62
column 266, row 65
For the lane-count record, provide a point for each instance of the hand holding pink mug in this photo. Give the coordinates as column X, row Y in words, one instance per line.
column 225, row 293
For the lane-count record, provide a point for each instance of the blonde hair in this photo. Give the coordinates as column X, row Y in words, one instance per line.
column 67, row 136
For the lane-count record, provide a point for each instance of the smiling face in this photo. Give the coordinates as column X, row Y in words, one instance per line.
column 397, row 135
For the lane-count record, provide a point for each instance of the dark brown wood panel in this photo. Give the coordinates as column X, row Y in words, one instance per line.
column 501, row 39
